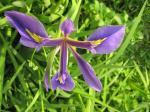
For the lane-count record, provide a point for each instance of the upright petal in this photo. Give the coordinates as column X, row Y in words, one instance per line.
column 23, row 22
column 87, row 71
column 67, row 27
column 107, row 39
column 68, row 85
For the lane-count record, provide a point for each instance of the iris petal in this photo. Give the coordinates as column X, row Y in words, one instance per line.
column 80, row 44
column 62, row 79
column 32, row 44
column 107, row 39
column 22, row 22
column 51, row 42
column 63, row 58
column 67, row 27
column 68, row 85
column 29, row 43
column 87, row 71
column 54, row 82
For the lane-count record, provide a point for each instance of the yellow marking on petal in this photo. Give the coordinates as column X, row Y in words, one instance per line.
column 34, row 36
column 97, row 42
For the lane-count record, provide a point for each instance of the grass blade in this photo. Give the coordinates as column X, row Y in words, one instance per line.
column 33, row 101
column 8, row 85
column 2, row 66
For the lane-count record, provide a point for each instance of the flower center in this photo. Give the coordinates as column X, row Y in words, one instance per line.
column 65, row 38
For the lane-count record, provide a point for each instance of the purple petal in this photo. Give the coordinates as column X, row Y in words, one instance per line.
column 54, row 81
column 67, row 27
column 112, row 35
column 46, row 82
column 80, row 44
column 68, row 84
column 22, row 22
column 62, row 79
column 88, row 72
column 63, row 58
column 30, row 43
column 51, row 42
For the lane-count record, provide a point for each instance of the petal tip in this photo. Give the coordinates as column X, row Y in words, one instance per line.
column 99, row 88
column 67, row 27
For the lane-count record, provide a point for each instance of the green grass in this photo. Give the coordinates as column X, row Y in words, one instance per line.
column 2, row 66
column 125, row 74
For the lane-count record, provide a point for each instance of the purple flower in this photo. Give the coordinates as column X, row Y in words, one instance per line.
column 104, row 40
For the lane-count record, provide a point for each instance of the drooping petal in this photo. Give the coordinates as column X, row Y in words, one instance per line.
column 68, row 85
column 67, row 27
column 55, row 82
column 47, row 42
column 87, row 71
column 62, row 79
column 107, row 39
column 63, row 58
column 46, row 82
column 30, row 43
column 23, row 22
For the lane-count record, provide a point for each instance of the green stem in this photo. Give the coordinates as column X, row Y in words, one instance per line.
column 2, row 68
column 90, row 103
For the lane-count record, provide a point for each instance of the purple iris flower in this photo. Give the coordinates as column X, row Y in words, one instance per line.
column 104, row 40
